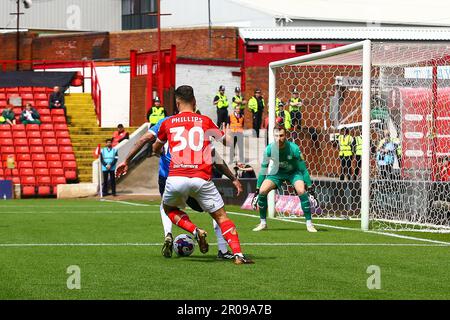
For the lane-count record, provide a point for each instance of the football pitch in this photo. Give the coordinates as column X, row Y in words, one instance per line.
column 116, row 247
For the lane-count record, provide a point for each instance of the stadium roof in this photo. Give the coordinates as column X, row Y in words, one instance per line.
column 341, row 33
column 408, row 12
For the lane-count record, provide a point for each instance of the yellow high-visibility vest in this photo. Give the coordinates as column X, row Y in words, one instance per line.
column 358, row 151
column 287, row 119
column 156, row 115
column 223, row 101
column 238, row 98
column 294, row 101
column 253, row 104
column 345, row 145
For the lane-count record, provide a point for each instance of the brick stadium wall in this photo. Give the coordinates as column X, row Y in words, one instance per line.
column 72, row 46
column 8, row 47
column 193, row 43
column 138, row 101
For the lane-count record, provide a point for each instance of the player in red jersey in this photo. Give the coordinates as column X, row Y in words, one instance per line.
column 189, row 136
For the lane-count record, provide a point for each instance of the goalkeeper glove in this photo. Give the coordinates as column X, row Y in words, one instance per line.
column 312, row 196
column 255, row 200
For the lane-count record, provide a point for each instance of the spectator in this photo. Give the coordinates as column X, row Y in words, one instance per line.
column 256, row 105
column 387, row 151
column 56, row 100
column 238, row 100
column 8, row 116
column 156, row 113
column 30, row 115
column 119, row 135
column 358, row 154
column 244, row 171
column 221, row 102
column 283, row 117
column 295, row 105
column 445, row 170
column 345, row 154
column 108, row 158
column 237, row 129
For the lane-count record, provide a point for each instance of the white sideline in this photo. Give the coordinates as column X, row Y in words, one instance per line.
column 131, row 203
column 268, row 244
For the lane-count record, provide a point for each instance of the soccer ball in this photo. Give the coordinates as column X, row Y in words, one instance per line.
column 183, row 245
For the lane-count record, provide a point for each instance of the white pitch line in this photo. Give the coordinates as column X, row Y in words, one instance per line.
column 131, row 203
column 351, row 229
column 290, row 244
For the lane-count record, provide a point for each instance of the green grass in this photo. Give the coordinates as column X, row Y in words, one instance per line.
column 321, row 266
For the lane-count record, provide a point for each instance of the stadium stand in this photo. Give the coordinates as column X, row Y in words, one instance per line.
column 43, row 155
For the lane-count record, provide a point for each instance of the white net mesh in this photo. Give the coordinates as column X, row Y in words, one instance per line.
column 410, row 133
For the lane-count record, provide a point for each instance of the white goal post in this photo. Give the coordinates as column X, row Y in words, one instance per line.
column 380, row 92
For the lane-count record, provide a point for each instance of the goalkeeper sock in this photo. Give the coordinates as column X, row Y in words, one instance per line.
column 263, row 221
column 221, row 243
column 167, row 224
column 304, row 200
column 182, row 220
column 230, row 234
column 262, row 204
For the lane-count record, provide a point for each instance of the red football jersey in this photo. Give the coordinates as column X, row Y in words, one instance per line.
column 189, row 136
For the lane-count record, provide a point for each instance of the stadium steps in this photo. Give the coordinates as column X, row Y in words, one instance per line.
column 85, row 132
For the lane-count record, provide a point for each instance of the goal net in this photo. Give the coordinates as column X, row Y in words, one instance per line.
column 373, row 124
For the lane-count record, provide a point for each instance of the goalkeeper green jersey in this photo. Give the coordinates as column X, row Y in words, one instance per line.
column 284, row 164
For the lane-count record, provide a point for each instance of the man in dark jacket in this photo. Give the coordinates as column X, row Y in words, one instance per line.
column 30, row 115
column 56, row 100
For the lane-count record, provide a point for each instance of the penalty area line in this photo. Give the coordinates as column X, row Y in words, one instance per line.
column 350, row 229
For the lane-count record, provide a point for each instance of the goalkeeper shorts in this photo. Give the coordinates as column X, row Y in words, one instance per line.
column 292, row 178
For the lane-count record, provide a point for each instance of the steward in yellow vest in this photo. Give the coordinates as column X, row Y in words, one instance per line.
column 157, row 112
column 295, row 108
column 283, row 116
column 346, row 154
column 256, row 105
column 238, row 99
column 221, row 102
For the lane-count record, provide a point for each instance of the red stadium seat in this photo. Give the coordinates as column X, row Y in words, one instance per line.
column 62, row 134
column 43, row 190
column 58, row 180
column 28, row 190
column 7, row 150
column 27, row 96
column 49, row 141
column 55, row 164
column 25, row 164
column 12, row 89
column 35, row 142
column 44, row 112
column 67, row 157
column 46, row 119
column 38, row 157
column 21, row 142
column 57, row 112
column 22, row 149
column 12, row 95
column 41, row 172
column 70, row 174
column 18, row 127
column 61, row 126
column 37, row 149
column 19, row 134
column 28, row 180
column 5, row 127
column 40, row 164
column 39, row 89
column 26, row 172
column 25, row 89
column 2, row 96
column 3, row 103
column 51, row 149
column 17, row 111
column 41, row 104
column 15, row 180
column 32, row 127
column 25, row 102
column 53, row 157
column 59, row 119
column 56, row 172
column 64, row 142
column 5, row 135
column 41, row 97
column 2, row 173
column 44, row 180
column 48, row 134
column 23, row 156
column 66, row 149
column 49, row 90
column 34, row 134
column 69, row 165
column 6, row 142
column 46, row 127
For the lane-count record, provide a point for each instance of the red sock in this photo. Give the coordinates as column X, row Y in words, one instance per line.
column 183, row 222
column 230, row 234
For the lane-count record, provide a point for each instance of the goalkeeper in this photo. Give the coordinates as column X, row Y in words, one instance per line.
column 286, row 164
